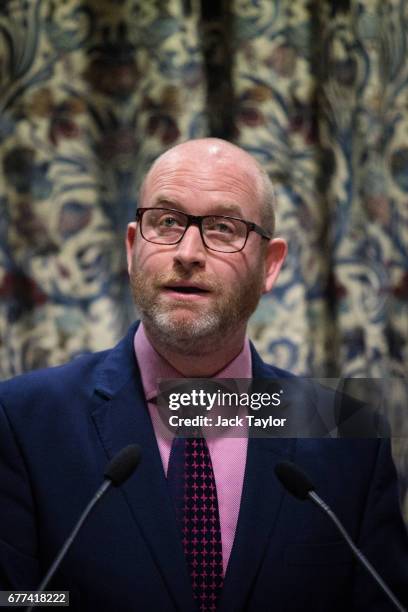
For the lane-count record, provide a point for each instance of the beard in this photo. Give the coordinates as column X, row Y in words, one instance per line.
column 200, row 327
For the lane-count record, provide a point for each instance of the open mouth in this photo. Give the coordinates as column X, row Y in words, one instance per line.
column 187, row 290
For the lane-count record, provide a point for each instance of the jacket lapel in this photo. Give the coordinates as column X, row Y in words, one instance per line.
column 261, row 500
column 121, row 417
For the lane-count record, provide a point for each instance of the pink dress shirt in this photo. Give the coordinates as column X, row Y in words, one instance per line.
column 228, row 455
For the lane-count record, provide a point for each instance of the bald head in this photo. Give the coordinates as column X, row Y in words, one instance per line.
column 214, row 153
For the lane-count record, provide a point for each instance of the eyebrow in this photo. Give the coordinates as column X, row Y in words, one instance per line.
column 227, row 208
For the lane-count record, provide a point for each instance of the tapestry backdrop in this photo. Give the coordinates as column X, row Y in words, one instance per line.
column 92, row 91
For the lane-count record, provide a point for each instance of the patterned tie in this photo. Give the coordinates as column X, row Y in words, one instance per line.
column 192, row 484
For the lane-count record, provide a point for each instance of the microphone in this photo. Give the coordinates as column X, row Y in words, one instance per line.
column 118, row 470
column 298, row 484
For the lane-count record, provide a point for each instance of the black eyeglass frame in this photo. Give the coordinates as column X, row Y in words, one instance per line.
column 198, row 220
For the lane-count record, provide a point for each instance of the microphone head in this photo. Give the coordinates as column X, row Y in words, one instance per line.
column 122, row 466
column 293, row 479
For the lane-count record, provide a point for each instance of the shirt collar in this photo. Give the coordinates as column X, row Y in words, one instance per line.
column 154, row 367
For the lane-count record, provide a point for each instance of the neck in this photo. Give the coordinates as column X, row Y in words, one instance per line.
column 209, row 361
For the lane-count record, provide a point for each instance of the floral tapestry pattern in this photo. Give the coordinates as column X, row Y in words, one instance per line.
column 91, row 93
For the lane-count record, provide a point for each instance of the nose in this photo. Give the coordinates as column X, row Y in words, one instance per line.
column 191, row 250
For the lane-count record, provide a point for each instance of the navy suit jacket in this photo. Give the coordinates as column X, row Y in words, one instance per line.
column 58, row 429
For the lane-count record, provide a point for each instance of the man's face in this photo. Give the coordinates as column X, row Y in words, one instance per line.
column 224, row 288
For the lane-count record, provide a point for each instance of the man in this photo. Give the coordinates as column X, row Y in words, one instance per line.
column 200, row 254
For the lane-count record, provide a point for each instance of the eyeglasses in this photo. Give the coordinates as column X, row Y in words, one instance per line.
column 218, row 232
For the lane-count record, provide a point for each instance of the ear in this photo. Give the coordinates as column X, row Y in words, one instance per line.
column 275, row 256
column 130, row 241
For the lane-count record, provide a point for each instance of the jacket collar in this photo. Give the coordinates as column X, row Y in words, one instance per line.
column 119, row 365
